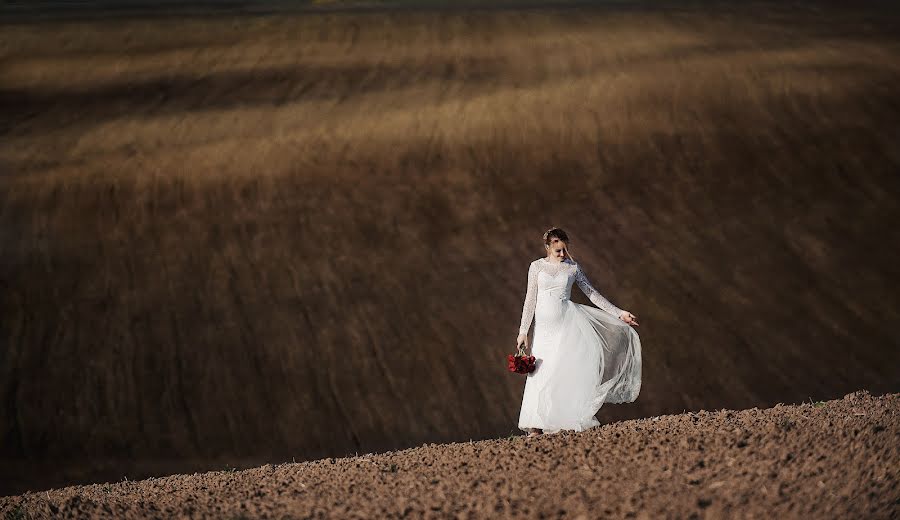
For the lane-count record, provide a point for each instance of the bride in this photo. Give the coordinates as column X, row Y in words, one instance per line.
column 585, row 356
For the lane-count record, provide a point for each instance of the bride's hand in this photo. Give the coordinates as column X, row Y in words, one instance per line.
column 521, row 341
column 629, row 318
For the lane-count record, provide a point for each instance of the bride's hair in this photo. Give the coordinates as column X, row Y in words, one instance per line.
column 558, row 233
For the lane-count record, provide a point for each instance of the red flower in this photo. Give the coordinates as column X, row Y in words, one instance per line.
column 520, row 364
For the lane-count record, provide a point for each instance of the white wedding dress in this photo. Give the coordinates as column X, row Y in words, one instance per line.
column 585, row 356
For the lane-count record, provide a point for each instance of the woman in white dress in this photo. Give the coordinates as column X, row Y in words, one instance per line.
column 585, row 356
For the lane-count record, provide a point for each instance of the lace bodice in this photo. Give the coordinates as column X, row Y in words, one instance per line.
column 544, row 279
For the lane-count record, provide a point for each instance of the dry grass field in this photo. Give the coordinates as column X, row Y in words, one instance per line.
column 230, row 240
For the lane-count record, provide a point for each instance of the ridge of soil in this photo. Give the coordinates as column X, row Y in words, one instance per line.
column 834, row 459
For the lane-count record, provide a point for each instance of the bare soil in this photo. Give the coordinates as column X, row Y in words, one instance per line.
column 834, row 459
column 228, row 240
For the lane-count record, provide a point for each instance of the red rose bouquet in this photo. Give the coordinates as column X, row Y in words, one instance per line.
column 519, row 362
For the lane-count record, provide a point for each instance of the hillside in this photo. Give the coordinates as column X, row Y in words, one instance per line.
column 228, row 240
column 835, row 459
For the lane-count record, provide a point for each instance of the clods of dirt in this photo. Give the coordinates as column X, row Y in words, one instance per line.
column 833, row 459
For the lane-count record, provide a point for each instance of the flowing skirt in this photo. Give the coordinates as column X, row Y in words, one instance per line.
column 586, row 357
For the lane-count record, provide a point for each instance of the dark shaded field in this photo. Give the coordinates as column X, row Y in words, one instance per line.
column 835, row 459
column 236, row 240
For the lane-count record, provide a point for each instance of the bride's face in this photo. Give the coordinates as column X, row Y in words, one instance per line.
column 556, row 251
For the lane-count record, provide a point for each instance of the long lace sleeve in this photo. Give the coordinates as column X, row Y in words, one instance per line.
column 592, row 294
column 530, row 299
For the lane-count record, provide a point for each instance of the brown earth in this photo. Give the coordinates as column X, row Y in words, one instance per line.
column 231, row 240
column 837, row 459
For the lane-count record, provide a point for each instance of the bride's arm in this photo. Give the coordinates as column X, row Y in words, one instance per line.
column 530, row 300
column 596, row 298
